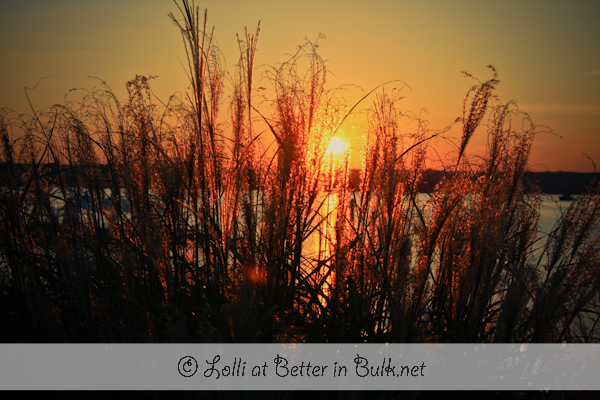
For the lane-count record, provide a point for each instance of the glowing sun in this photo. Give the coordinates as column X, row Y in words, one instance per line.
column 336, row 146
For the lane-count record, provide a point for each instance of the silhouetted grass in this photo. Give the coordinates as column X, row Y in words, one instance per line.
column 137, row 222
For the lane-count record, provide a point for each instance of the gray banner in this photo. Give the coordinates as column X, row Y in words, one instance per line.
column 300, row 366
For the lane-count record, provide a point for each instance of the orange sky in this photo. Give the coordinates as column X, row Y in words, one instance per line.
column 547, row 54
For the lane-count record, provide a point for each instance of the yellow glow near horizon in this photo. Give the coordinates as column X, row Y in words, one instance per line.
column 336, row 146
column 72, row 40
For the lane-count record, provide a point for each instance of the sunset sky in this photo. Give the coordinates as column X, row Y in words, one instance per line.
column 547, row 54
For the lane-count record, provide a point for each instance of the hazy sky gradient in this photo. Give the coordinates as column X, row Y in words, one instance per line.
column 547, row 54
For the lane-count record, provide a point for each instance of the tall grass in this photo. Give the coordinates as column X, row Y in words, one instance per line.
column 136, row 222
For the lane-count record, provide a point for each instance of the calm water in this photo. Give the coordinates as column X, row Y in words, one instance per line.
column 549, row 214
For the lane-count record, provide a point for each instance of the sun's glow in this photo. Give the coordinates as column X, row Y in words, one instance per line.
column 336, row 146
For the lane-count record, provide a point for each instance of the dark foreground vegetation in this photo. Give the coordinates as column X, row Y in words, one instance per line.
column 138, row 222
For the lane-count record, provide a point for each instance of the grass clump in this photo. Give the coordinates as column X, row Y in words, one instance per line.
column 137, row 222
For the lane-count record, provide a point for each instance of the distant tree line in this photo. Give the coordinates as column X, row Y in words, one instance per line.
column 548, row 182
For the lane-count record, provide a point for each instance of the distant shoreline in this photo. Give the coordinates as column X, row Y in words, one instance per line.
column 559, row 182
